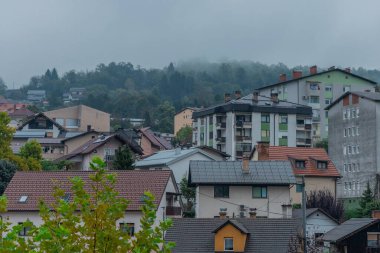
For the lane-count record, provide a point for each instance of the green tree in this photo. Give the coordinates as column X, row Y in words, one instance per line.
column 3, row 87
column 367, row 202
column 185, row 135
column 323, row 144
column 165, row 117
column 6, row 135
column 188, row 194
column 31, row 149
column 7, row 170
column 86, row 223
column 124, row 159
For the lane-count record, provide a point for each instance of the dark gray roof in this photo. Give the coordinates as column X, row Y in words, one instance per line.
column 264, row 104
column 318, row 74
column 230, row 172
column 348, row 228
column 374, row 96
column 234, row 223
column 264, row 235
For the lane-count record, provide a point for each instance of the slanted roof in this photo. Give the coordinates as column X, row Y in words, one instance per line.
column 230, row 172
column 157, row 141
column 188, row 108
column 318, row 74
column 40, row 114
column 73, row 135
column 214, row 150
column 297, row 213
column 168, row 157
column 307, row 154
column 23, row 112
column 234, row 223
column 264, row 105
column 265, row 235
column 130, row 184
column 348, row 228
column 374, row 96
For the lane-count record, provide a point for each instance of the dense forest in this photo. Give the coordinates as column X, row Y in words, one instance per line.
column 128, row 91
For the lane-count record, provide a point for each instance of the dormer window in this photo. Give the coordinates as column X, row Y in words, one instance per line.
column 321, row 164
column 228, row 244
column 23, row 199
column 300, row 164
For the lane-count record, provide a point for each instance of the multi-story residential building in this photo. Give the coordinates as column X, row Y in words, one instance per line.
column 311, row 164
column 23, row 197
column 183, row 118
column 81, row 118
column 318, row 89
column 236, row 125
column 240, row 187
column 36, row 95
column 354, row 143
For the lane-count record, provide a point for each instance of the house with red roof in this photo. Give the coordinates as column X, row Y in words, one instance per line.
column 26, row 189
column 151, row 143
column 313, row 164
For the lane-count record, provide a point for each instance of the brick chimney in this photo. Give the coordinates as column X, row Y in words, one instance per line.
column 375, row 214
column 274, row 97
column 223, row 213
column 252, row 213
column 237, row 94
column 245, row 165
column 282, row 78
column 348, row 70
column 255, row 96
column 227, row 97
column 297, row 74
column 313, row 70
column 262, row 148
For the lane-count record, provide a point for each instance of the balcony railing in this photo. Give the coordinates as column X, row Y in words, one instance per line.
column 173, row 210
column 221, row 139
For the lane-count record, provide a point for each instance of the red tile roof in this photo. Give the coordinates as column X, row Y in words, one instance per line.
column 307, row 154
column 39, row 185
column 159, row 142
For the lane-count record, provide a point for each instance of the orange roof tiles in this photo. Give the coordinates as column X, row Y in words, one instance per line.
column 307, row 154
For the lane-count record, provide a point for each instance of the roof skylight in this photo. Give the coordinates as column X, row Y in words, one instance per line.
column 23, row 199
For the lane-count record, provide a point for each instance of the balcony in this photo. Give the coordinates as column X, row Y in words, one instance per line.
column 221, row 139
column 221, row 125
column 243, row 138
column 173, row 211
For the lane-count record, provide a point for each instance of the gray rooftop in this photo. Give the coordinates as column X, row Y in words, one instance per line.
column 265, row 235
column 230, row 172
column 167, row 157
column 374, row 96
column 348, row 228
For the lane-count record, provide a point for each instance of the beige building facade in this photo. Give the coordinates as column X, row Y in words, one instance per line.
column 183, row 118
column 81, row 118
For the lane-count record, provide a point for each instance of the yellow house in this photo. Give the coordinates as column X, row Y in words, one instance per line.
column 183, row 118
column 230, row 236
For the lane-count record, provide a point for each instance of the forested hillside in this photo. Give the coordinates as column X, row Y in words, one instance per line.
column 125, row 90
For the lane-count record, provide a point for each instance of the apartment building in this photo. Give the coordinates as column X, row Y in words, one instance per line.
column 183, row 118
column 236, row 125
column 354, row 144
column 81, row 118
column 318, row 90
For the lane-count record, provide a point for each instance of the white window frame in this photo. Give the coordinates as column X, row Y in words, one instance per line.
column 344, row 150
column 345, row 167
column 357, row 112
column 229, row 238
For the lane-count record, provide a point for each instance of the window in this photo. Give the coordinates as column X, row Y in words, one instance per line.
column 353, row 149
column 314, row 86
column 221, row 191
column 344, row 150
column 357, row 112
column 353, row 113
column 328, row 88
column 300, row 164
column 299, row 187
column 229, row 244
column 344, row 114
column 23, row 199
column 345, row 132
column 24, row 230
column 265, row 118
column 327, row 101
column 373, row 239
column 348, row 113
column 348, row 132
column 265, row 133
column 345, row 185
column 210, row 121
column 284, row 119
column 349, row 185
column 353, row 166
column 127, row 228
column 314, row 100
column 357, row 149
column 60, row 121
column 72, row 123
column 349, row 150
column 349, row 167
column 345, row 167
column 321, row 165
column 326, row 114
column 357, row 130
column 353, row 131
column 259, row 192
column 346, row 88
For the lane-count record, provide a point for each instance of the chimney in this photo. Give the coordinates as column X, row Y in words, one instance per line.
column 348, row 70
column 252, row 213
column 255, row 96
column 375, row 214
column 313, row 70
column 262, row 150
column 227, row 97
column 237, row 94
column 297, row 74
column 274, row 97
column 245, row 165
column 282, row 78
column 223, row 213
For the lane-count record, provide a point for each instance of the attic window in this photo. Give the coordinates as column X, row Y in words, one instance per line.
column 321, row 165
column 229, row 244
column 300, row 164
column 23, row 199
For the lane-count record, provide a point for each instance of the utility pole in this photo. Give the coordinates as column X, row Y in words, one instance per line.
column 304, row 215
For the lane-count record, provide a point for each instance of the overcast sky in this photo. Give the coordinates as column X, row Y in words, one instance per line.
column 77, row 34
